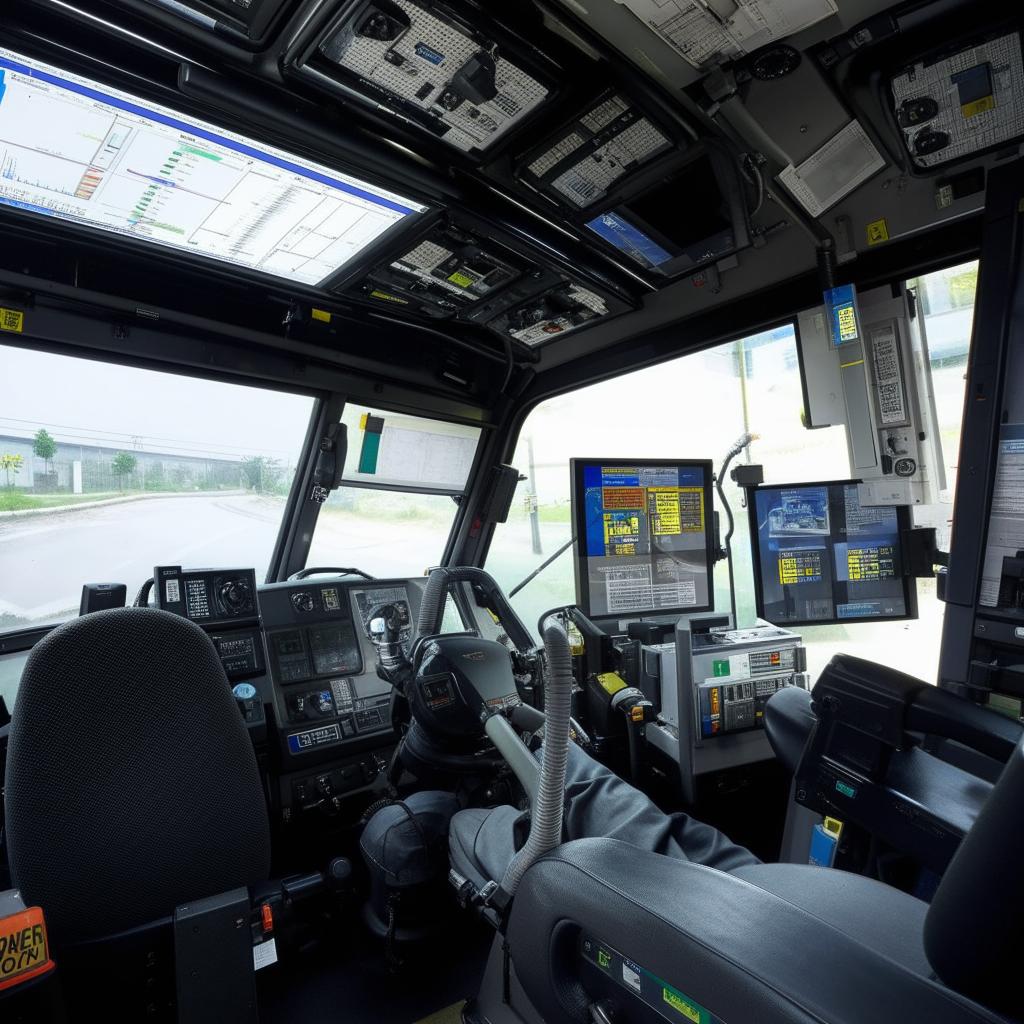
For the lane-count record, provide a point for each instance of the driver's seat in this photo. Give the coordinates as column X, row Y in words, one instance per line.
column 598, row 803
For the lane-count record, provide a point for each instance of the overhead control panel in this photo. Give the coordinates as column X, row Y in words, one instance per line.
column 447, row 272
column 965, row 101
column 462, row 268
column 426, row 64
column 552, row 308
column 593, row 153
column 651, row 196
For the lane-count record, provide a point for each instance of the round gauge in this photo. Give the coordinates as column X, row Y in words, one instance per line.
column 774, row 61
column 302, row 601
column 905, row 467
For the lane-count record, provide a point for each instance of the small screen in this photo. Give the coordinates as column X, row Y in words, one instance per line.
column 290, row 653
column 821, row 556
column 643, row 532
column 334, row 650
column 85, row 153
column 686, row 215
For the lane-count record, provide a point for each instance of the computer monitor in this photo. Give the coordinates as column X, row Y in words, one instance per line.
column 643, row 536
column 820, row 556
column 91, row 155
column 690, row 217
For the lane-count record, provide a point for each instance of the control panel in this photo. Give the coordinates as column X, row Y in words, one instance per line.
column 209, row 597
column 323, row 664
column 712, row 685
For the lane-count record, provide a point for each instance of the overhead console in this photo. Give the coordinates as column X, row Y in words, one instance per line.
column 457, row 268
column 447, row 272
column 425, row 64
column 665, row 204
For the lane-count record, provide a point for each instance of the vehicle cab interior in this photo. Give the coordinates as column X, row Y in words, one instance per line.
column 511, row 513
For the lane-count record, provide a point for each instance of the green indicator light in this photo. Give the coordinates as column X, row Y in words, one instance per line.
column 681, row 1004
column 603, row 959
column 846, row 789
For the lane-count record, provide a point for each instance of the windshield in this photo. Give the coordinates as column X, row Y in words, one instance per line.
column 107, row 471
column 404, row 475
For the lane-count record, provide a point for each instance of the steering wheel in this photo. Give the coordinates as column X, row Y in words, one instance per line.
column 461, row 688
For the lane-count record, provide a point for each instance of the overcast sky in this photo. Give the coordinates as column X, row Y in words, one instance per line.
column 83, row 400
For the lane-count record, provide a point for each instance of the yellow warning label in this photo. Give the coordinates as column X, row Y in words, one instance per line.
column 847, row 323
column 878, row 231
column 460, row 279
column 978, row 106
column 23, row 949
column 12, row 320
column 611, row 683
column 388, row 297
column 363, row 420
column 322, row 315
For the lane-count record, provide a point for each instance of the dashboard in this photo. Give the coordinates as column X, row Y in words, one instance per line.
column 303, row 671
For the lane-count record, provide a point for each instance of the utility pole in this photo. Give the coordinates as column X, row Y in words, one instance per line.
column 531, row 499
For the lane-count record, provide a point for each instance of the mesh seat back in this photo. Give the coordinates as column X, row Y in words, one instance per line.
column 131, row 785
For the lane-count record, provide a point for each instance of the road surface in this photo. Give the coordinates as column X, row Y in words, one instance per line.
column 45, row 559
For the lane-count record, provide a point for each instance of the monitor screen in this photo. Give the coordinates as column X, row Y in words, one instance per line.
column 643, row 536
column 820, row 556
column 85, row 153
column 686, row 217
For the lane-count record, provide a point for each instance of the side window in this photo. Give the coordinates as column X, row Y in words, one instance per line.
column 696, row 407
column 397, row 505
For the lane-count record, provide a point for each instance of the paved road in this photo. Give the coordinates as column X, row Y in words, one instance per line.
column 44, row 560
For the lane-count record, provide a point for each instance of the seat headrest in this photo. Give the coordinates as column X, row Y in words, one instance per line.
column 974, row 932
column 131, row 785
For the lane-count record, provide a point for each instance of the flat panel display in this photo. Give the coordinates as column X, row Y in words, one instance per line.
column 820, row 556
column 88, row 154
column 684, row 221
column 643, row 536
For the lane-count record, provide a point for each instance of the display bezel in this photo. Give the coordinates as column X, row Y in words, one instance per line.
column 903, row 524
column 177, row 107
column 581, row 569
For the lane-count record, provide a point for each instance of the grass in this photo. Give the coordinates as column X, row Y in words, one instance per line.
column 13, row 500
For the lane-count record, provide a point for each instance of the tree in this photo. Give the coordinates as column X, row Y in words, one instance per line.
column 123, row 465
column 44, row 447
column 11, row 464
column 261, row 473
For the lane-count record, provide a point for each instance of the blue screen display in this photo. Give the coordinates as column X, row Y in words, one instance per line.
column 642, row 534
column 824, row 557
column 629, row 239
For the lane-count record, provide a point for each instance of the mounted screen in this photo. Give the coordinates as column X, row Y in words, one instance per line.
column 820, row 556
column 643, row 536
column 689, row 218
column 84, row 153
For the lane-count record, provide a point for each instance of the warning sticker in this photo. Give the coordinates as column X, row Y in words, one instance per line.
column 12, row 320
column 24, row 952
column 878, row 231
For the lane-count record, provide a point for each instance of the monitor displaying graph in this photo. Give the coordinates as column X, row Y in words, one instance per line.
column 88, row 154
column 820, row 556
column 644, row 532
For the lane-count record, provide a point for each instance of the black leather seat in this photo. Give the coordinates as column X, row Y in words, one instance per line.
column 598, row 802
column 131, row 784
column 782, row 944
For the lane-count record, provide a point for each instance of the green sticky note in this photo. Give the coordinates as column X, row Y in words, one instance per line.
column 368, row 452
